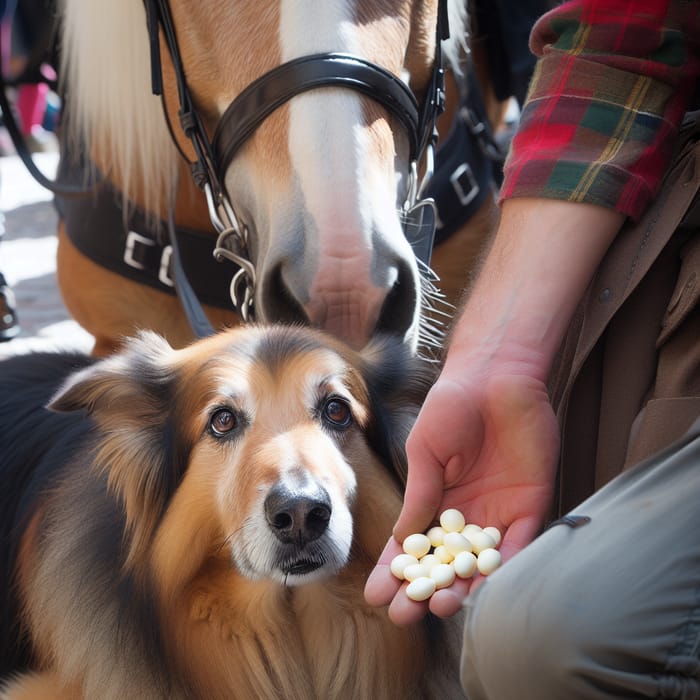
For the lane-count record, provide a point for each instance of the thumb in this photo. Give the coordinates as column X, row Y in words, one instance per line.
column 423, row 495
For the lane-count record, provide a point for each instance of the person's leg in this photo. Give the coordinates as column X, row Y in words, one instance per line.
column 606, row 609
column 31, row 105
column 9, row 325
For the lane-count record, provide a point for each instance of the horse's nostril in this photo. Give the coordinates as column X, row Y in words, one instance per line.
column 400, row 307
column 278, row 301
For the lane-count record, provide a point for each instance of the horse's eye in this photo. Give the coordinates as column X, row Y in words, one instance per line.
column 222, row 421
column 337, row 412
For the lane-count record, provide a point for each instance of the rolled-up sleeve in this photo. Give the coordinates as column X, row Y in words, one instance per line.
column 612, row 83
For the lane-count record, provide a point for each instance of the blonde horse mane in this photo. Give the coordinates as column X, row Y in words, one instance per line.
column 106, row 66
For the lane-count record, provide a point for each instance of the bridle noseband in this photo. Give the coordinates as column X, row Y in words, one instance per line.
column 262, row 97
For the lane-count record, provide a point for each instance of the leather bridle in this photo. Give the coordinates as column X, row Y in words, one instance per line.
column 262, row 97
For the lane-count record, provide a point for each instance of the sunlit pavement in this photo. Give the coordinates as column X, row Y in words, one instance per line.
column 28, row 260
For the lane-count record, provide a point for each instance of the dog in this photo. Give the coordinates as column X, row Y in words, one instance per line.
column 199, row 523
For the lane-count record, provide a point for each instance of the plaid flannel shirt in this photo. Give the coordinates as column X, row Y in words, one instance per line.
column 612, row 83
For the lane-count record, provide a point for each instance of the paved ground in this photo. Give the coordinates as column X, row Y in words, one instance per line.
column 28, row 260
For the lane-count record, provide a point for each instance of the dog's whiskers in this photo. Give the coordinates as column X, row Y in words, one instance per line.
column 227, row 540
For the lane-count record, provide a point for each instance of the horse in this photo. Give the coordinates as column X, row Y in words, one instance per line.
column 311, row 195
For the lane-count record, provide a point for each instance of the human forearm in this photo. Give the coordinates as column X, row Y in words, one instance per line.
column 537, row 270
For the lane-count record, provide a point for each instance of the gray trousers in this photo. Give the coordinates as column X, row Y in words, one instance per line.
column 609, row 608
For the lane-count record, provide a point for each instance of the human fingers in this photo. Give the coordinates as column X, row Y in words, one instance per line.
column 422, row 497
column 381, row 585
column 446, row 602
column 518, row 535
column 383, row 588
column 404, row 611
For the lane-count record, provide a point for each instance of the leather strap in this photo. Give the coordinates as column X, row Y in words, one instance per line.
column 199, row 323
column 271, row 90
column 468, row 163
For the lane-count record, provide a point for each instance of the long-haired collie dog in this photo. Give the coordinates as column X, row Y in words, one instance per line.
column 199, row 523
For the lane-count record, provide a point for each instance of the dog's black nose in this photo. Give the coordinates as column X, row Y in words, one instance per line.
column 298, row 513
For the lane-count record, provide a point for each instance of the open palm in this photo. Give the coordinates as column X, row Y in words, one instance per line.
column 487, row 447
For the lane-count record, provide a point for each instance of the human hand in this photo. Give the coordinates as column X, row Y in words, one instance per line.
column 486, row 445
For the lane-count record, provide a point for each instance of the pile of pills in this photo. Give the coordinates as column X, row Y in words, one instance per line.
column 454, row 548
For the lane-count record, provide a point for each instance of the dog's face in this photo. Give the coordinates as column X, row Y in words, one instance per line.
column 246, row 446
column 280, row 425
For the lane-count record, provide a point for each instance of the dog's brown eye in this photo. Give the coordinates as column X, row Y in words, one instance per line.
column 222, row 421
column 337, row 412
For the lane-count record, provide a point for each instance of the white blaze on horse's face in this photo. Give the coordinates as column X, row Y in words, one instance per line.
column 351, row 252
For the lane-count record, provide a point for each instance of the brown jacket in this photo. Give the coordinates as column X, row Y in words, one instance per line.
column 627, row 379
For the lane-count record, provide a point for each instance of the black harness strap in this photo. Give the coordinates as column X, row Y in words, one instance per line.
column 137, row 247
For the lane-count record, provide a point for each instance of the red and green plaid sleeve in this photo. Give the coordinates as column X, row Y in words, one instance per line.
column 613, row 80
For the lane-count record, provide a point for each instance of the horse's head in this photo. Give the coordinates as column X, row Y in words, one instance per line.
column 320, row 181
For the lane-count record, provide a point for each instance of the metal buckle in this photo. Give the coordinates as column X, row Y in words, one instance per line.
column 132, row 238
column 164, row 270
column 465, row 197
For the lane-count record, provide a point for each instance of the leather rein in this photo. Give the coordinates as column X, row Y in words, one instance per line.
column 252, row 106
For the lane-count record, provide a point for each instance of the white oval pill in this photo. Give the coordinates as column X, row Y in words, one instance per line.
column 414, row 571
column 400, row 562
column 495, row 533
column 421, row 589
column 488, row 561
column 456, row 542
column 443, row 575
column 436, row 535
column 443, row 553
column 470, row 528
column 452, row 520
column 465, row 564
column 481, row 541
column 417, row 545
column 429, row 561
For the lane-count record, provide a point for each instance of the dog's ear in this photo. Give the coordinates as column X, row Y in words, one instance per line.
column 114, row 381
column 130, row 396
column 397, row 382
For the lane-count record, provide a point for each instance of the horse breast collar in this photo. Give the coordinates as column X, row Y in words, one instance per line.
column 266, row 94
